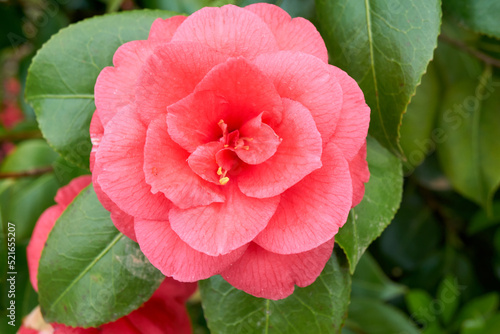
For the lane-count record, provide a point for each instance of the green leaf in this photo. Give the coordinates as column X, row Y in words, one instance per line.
column 482, row 307
column 418, row 136
column 89, row 272
column 470, row 152
column 482, row 220
column 370, row 281
column 381, row 201
column 318, row 308
column 479, row 15
column 372, row 316
column 28, row 155
column 61, row 78
column 448, row 296
column 419, row 303
column 385, row 46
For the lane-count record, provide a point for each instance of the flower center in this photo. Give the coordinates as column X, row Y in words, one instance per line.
column 226, row 159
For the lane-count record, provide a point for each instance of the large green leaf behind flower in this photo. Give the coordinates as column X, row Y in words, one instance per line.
column 61, row 79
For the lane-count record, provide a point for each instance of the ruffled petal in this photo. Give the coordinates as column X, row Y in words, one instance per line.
column 230, row 30
column 296, row 34
column 311, row 212
column 115, row 86
column 170, row 74
column 234, row 92
column 202, row 161
column 306, row 79
column 37, row 242
column 268, row 275
column 220, row 228
column 174, row 258
column 122, row 221
column 96, row 132
column 120, row 162
column 352, row 128
column 67, row 194
column 167, row 170
column 360, row 174
column 259, row 142
column 297, row 156
column 162, row 30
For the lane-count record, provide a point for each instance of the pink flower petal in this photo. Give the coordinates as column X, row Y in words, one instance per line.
column 311, row 212
column 40, row 234
column 162, row 30
column 220, row 228
column 230, row 30
column 122, row 221
column 67, row 194
column 296, row 34
column 170, row 74
column 96, row 132
column 273, row 276
column 234, row 92
column 167, row 252
column 360, row 175
column 352, row 128
column 297, row 156
column 306, row 79
column 261, row 143
column 167, row 170
column 202, row 161
column 120, row 161
column 115, row 86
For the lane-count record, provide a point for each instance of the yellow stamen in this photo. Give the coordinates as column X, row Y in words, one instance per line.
column 224, row 180
column 219, row 171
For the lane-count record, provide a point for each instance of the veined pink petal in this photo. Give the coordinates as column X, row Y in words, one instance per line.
column 122, row 221
column 359, row 174
column 115, row 86
column 170, row 74
column 96, row 132
column 162, row 30
column 297, row 156
column 167, row 252
column 306, row 79
column 296, row 34
column 202, row 161
column 167, row 170
column 311, row 212
column 40, row 234
column 352, row 128
column 120, row 160
column 268, row 275
column 67, row 194
column 220, row 228
column 231, row 30
column 259, row 142
column 234, row 92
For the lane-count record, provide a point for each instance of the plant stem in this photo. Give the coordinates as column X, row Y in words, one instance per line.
column 31, row 172
column 464, row 47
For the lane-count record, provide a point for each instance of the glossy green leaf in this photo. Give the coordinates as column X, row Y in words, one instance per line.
column 372, row 316
column 448, row 295
column 420, row 304
column 481, row 307
column 385, row 46
column 29, row 155
column 381, row 201
column 318, row 308
column 61, row 78
column 370, row 281
column 89, row 272
column 418, row 136
column 479, row 15
column 482, row 220
column 470, row 151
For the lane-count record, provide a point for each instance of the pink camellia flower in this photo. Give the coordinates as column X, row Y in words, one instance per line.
column 226, row 144
column 163, row 313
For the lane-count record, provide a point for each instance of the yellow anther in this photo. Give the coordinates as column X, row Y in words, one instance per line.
column 220, row 122
column 224, row 180
column 219, row 171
